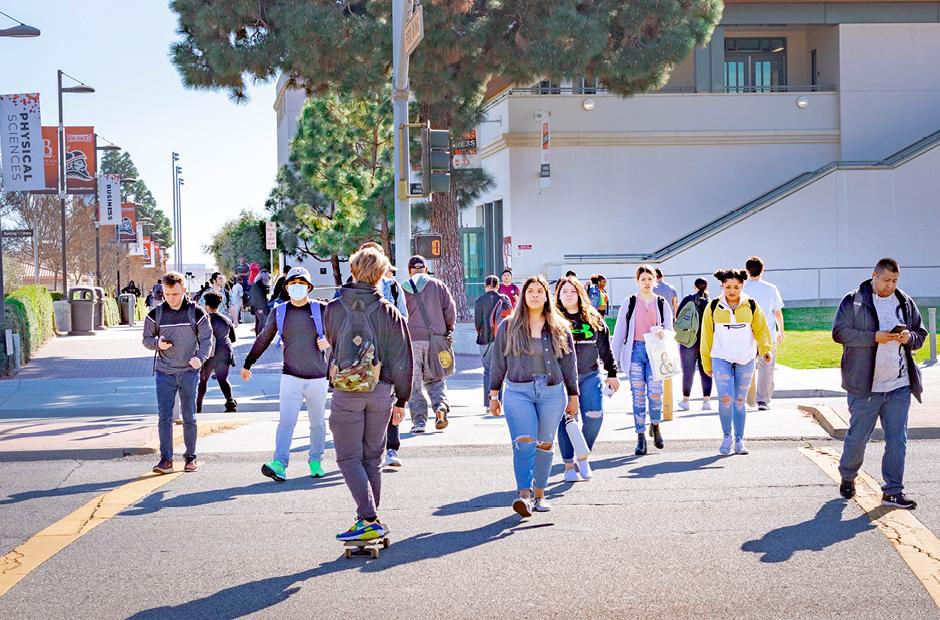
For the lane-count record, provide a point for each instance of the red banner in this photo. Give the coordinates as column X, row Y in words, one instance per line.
column 128, row 228
column 80, row 161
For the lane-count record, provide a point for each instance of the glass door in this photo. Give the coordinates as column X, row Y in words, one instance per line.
column 755, row 65
column 474, row 261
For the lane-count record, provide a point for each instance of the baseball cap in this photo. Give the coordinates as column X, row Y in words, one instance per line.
column 417, row 262
column 298, row 273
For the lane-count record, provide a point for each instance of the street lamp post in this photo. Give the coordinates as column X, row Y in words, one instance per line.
column 19, row 31
column 63, row 182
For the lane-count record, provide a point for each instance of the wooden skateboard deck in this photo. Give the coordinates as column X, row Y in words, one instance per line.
column 667, row 399
column 365, row 547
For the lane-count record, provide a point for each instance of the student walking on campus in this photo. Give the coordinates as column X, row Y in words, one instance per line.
column 431, row 312
column 734, row 331
column 879, row 327
column 299, row 325
column 592, row 342
column 597, row 293
column 641, row 314
column 768, row 298
column 688, row 328
column 489, row 310
column 667, row 292
column 217, row 286
column 222, row 357
column 180, row 333
column 508, row 288
column 236, row 293
column 371, row 360
column 258, row 299
column 534, row 356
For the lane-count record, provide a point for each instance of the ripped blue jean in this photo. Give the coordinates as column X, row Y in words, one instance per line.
column 644, row 387
column 533, row 410
column 591, row 389
column 733, row 381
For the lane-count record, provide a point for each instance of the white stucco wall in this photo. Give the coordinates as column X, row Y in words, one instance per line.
column 890, row 86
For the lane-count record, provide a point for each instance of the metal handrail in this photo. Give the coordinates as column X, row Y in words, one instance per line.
column 766, row 200
column 603, row 90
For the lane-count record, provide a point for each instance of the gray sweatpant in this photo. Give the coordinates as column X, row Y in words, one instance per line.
column 437, row 388
column 359, row 423
column 762, row 382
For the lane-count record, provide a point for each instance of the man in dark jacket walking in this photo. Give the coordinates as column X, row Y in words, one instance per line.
column 180, row 332
column 431, row 309
column 258, row 299
column 879, row 327
column 490, row 302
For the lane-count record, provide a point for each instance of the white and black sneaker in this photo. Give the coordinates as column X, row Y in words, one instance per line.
column 418, row 427
column 899, row 500
column 522, row 506
column 762, row 406
column 391, row 459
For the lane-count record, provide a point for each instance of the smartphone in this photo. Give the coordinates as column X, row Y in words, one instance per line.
column 897, row 329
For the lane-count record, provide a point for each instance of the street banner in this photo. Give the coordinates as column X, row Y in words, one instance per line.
column 139, row 250
column 128, row 226
column 80, row 161
column 270, row 235
column 149, row 255
column 545, row 171
column 109, row 199
column 157, row 254
column 465, row 151
column 21, row 148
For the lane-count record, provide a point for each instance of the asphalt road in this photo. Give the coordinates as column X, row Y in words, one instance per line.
column 683, row 533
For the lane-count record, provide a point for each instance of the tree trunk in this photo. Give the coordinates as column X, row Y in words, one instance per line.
column 386, row 237
column 337, row 274
column 444, row 222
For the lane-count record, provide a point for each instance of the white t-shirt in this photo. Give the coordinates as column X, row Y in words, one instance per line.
column 890, row 359
column 768, row 298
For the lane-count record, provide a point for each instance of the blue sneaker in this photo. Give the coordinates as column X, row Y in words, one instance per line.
column 363, row 531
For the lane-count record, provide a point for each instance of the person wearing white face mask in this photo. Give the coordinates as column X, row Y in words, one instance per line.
column 299, row 325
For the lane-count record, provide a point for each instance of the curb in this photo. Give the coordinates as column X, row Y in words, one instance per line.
column 827, row 418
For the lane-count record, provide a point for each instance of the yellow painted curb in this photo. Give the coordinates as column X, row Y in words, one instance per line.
column 916, row 544
column 831, row 421
column 203, row 429
column 28, row 556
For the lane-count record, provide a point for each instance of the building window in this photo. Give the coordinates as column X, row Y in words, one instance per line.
column 755, row 65
column 586, row 86
column 547, row 87
column 814, row 69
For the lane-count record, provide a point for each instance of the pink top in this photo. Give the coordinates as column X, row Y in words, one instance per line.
column 645, row 317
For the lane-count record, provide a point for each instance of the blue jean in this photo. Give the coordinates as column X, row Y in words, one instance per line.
column 486, row 354
column 533, row 411
column 732, row 381
column 167, row 386
column 591, row 387
column 892, row 409
column 294, row 391
column 643, row 386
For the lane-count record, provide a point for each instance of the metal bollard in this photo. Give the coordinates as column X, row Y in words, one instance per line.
column 932, row 327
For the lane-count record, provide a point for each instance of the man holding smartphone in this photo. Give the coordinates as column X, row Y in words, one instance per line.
column 879, row 327
column 180, row 333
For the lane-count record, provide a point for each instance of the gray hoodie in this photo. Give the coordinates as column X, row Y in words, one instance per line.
column 434, row 296
column 176, row 328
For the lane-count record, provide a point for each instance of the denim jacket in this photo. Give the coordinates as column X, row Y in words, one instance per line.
column 518, row 368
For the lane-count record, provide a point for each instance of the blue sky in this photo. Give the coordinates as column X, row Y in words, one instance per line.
column 121, row 48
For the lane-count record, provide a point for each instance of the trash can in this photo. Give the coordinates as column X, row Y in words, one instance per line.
column 82, row 300
column 128, row 306
column 99, row 307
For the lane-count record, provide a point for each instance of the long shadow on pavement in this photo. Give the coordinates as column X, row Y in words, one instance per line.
column 824, row 530
column 255, row 596
column 75, row 489
column 157, row 502
column 674, row 467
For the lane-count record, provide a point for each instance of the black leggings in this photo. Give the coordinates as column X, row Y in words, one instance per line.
column 692, row 358
column 221, row 375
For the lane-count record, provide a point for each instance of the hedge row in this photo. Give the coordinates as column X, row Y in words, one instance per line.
column 28, row 311
column 112, row 314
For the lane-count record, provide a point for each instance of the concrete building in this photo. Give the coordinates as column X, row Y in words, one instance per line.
column 805, row 133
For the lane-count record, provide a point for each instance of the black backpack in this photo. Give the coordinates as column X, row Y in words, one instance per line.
column 750, row 302
column 631, row 306
column 354, row 360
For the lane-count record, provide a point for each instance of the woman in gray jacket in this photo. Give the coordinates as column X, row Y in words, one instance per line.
column 534, row 354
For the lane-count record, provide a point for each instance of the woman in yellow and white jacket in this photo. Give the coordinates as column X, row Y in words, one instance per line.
column 734, row 331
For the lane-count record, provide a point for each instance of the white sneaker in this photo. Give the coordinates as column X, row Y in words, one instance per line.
column 391, row 459
column 522, row 507
column 706, row 405
column 418, row 427
column 584, row 468
column 739, row 447
column 725, row 446
column 541, row 505
column 571, row 475
column 684, row 405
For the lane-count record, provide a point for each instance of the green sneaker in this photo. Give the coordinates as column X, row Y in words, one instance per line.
column 316, row 470
column 274, row 470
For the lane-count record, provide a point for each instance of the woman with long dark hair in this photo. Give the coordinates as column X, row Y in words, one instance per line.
column 691, row 310
column 591, row 341
column 535, row 356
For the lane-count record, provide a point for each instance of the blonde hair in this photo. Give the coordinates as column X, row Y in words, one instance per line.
column 369, row 265
column 587, row 312
column 517, row 325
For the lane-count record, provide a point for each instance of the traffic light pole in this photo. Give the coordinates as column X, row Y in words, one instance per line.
column 400, row 93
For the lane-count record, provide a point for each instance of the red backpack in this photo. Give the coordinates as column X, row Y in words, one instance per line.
column 501, row 310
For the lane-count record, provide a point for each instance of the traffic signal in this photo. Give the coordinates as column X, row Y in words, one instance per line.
column 435, row 160
column 428, row 246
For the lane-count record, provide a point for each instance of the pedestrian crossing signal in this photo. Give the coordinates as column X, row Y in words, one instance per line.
column 429, row 246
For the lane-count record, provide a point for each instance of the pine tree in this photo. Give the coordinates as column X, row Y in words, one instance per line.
column 630, row 46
